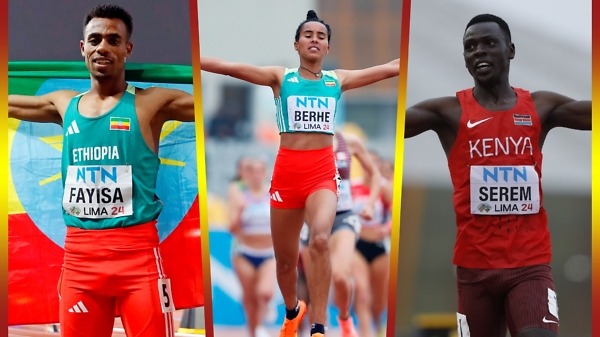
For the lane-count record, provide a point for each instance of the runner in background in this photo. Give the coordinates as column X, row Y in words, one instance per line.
column 253, row 258
column 371, row 259
column 346, row 226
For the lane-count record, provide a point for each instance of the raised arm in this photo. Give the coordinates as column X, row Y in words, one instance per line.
column 352, row 79
column 432, row 114
column 174, row 104
column 357, row 148
column 359, row 151
column 441, row 115
column 47, row 108
column 235, row 205
column 556, row 110
column 270, row 76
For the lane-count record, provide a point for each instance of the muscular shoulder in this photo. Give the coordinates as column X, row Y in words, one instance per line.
column 155, row 99
column 546, row 101
column 441, row 114
column 445, row 108
column 556, row 110
column 171, row 103
column 440, row 104
column 64, row 94
column 61, row 98
column 156, row 95
column 235, row 192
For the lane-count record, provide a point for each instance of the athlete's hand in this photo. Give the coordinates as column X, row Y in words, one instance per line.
column 367, row 212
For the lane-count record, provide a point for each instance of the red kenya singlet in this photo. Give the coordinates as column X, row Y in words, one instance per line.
column 495, row 165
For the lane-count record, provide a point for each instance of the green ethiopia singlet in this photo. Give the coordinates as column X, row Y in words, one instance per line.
column 307, row 105
column 108, row 170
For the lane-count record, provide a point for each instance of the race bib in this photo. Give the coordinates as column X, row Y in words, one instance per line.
column 552, row 303
column 304, row 234
column 462, row 325
column 498, row 190
column 98, row 191
column 311, row 113
column 344, row 196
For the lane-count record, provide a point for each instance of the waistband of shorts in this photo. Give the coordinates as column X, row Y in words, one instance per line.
column 256, row 231
column 542, row 266
column 130, row 237
column 327, row 149
column 258, row 252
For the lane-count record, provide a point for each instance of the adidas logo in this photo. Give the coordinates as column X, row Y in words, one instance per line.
column 78, row 308
column 72, row 129
column 275, row 196
column 293, row 80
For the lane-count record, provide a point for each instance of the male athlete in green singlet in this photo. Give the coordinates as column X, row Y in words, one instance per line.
column 109, row 169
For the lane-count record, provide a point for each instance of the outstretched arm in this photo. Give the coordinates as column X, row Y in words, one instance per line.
column 352, row 79
column 424, row 116
column 270, row 76
column 574, row 115
column 47, row 108
column 357, row 148
column 235, row 203
column 176, row 104
column 560, row 111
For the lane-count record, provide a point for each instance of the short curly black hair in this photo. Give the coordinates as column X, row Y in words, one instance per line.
column 110, row 12
column 491, row 18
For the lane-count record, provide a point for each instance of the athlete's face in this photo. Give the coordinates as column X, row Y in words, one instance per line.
column 387, row 169
column 105, row 47
column 256, row 173
column 487, row 52
column 244, row 169
column 312, row 43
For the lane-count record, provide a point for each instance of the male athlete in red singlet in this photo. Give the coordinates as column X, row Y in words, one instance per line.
column 493, row 135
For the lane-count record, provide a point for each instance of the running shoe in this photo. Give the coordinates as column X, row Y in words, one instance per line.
column 347, row 326
column 290, row 326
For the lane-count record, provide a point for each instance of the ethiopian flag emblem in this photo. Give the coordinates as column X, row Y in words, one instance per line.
column 120, row 123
